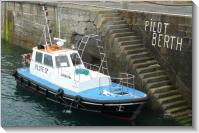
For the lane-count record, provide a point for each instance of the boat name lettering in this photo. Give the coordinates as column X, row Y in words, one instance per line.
column 66, row 76
column 41, row 68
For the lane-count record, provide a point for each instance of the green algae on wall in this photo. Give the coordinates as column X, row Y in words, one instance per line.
column 7, row 30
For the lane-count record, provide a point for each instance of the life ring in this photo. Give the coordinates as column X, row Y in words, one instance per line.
column 60, row 92
column 78, row 99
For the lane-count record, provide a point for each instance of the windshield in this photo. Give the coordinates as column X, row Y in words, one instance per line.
column 62, row 61
column 75, row 59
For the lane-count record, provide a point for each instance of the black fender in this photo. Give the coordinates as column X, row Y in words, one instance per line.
column 60, row 92
column 78, row 99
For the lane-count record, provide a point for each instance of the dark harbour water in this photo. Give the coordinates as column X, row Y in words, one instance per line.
column 22, row 108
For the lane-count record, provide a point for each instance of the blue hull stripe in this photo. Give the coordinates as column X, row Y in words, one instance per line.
column 93, row 93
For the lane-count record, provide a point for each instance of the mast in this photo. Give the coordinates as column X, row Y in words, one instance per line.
column 46, row 14
column 59, row 21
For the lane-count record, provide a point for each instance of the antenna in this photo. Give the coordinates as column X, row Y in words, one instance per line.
column 59, row 21
column 46, row 14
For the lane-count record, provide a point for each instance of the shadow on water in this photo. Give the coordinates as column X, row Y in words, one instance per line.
column 23, row 108
column 62, row 117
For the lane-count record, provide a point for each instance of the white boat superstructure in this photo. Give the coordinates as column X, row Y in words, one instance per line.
column 65, row 68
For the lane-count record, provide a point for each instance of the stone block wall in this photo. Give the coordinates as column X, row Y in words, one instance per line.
column 28, row 22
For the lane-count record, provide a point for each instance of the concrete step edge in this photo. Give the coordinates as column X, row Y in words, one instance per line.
column 151, row 74
column 173, row 104
column 163, row 77
column 158, row 84
column 142, row 54
column 145, row 64
column 169, row 99
column 131, row 42
column 162, row 89
column 177, row 109
column 141, row 59
column 166, row 94
column 151, row 68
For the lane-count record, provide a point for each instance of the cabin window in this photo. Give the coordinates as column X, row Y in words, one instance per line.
column 62, row 61
column 38, row 57
column 48, row 60
column 75, row 59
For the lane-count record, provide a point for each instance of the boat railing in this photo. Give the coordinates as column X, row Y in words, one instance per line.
column 124, row 80
column 91, row 66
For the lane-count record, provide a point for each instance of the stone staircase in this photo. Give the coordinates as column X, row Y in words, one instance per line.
column 121, row 39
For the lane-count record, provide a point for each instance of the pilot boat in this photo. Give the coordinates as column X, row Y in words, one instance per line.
column 60, row 75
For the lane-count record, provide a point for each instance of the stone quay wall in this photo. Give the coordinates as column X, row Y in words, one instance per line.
column 169, row 37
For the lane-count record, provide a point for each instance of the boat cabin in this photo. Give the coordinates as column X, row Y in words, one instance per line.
column 65, row 68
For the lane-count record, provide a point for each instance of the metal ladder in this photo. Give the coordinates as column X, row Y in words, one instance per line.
column 124, row 81
column 82, row 44
column 104, row 65
column 81, row 48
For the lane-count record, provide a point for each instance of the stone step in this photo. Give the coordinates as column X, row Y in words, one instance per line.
column 107, row 28
column 113, row 14
column 182, row 113
column 125, row 38
column 186, row 121
column 144, row 64
column 183, row 117
column 118, row 26
column 177, row 109
column 131, row 46
column 164, row 88
column 122, row 34
column 115, row 22
column 150, row 74
column 151, row 68
column 170, row 99
column 132, row 42
column 135, row 50
column 111, row 18
column 138, row 55
column 141, row 59
column 113, row 36
column 173, row 104
column 112, row 31
column 166, row 94
column 187, row 124
column 158, row 84
column 155, row 79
